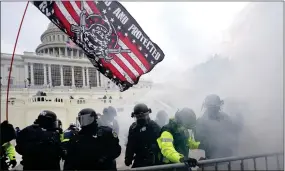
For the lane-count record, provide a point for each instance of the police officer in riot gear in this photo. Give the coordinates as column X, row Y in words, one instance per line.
column 39, row 144
column 215, row 129
column 94, row 148
column 70, row 132
column 142, row 147
column 175, row 141
column 7, row 149
column 108, row 119
column 161, row 118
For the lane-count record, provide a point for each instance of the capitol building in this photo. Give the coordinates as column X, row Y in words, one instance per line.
column 67, row 78
column 53, row 65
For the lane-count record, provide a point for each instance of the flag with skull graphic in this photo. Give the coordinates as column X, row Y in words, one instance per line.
column 111, row 38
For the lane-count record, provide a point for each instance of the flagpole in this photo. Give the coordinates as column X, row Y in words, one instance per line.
column 12, row 60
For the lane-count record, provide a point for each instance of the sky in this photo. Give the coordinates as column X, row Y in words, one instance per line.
column 187, row 32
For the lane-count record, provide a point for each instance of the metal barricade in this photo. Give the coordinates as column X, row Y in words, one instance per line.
column 229, row 163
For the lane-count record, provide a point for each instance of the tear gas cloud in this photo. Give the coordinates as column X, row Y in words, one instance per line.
column 246, row 74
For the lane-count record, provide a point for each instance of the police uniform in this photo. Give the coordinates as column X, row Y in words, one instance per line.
column 39, row 144
column 174, row 141
column 142, row 146
column 7, row 149
column 94, row 148
column 93, row 152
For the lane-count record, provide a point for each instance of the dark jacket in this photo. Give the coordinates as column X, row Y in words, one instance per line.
column 93, row 150
column 103, row 121
column 142, row 145
column 7, row 134
column 217, row 135
column 40, row 149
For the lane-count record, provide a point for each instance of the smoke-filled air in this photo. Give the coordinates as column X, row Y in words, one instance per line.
column 246, row 74
column 189, row 60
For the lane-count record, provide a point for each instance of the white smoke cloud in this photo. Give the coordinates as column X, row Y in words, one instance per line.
column 250, row 74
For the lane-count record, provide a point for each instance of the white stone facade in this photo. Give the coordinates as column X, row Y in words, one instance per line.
column 53, row 65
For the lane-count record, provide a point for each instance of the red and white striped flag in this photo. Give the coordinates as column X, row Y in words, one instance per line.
column 111, row 38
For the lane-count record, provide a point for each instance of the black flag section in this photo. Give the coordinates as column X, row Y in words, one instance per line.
column 111, row 38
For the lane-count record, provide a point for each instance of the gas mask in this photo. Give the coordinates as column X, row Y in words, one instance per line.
column 142, row 118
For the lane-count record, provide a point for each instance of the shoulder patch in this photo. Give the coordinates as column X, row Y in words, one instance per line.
column 115, row 135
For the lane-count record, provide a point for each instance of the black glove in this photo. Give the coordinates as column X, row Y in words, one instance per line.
column 12, row 163
column 128, row 162
column 190, row 162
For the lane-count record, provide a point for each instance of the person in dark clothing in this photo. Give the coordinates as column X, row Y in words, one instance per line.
column 142, row 149
column 71, row 131
column 175, row 140
column 7, row 149
column 17, row 130
column 108, row 119
column 94, row 148
column 216, row 130
column 161, row 118
column 39, row 144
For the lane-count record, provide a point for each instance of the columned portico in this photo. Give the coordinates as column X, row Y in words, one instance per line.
column 32, row 74
column 26, row 71
column 49, row 74
column 83, row 77
column 61, row 76
column 72, row 77
column 45, row 75
column 87, row 76
column 59, row 65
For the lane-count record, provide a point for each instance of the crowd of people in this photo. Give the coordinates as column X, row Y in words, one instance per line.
column 92, row 142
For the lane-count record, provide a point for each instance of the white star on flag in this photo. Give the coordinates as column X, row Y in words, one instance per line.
column 119, row 27
column 126, row 34
column 140, row 48
column 104, row 11
column 146, row 55
column 112, row 20
column 134, row 41
column 109, row 9
column 151, row 62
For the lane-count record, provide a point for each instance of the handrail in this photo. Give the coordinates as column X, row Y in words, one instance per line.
column 207, row 162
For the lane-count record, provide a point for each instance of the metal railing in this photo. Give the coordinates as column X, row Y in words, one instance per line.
column 229, row 163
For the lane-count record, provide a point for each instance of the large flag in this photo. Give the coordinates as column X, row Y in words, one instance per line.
column 111, row 38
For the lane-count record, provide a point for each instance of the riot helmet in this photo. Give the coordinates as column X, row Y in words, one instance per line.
column 186, row 117
column 48, row 120
column 110, row 112
column 72, row 125
column 213, row 103
column 161, row 117
column 141, row 113
column 87, row 117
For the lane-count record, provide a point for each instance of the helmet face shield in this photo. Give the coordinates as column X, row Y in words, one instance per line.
column 57, row 124
column 85, row 120
column 190, row 124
